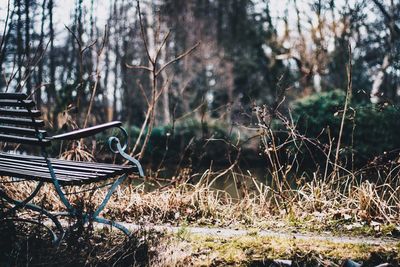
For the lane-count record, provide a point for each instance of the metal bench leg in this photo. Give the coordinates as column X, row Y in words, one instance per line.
column 98, row 219
column 108, row 195
column 33, row 207
column 51, row 232
column 59, row 191
column 22, row 203
column 95, row 215
column 113, row 224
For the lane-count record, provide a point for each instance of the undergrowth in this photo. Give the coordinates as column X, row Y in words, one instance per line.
column 25, row 244
column 362, row 208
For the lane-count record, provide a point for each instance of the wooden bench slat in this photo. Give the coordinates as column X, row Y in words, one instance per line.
column 46, row 170
column 32, row 175
column 23, row 140
column 16, row 96
column 17, row 103
column 24, row 122
column 69, row 172
column 29, row 174
column 103, row 166
column 64, row 179
column 23, row 131
column 20, row 112
column 16, row 118
column 58, row 166
column 20, row 124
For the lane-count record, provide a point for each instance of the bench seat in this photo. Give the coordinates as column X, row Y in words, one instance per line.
column 21, row 124
column 67, row 172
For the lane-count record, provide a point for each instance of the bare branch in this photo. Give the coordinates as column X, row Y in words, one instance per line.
column 75, row 37
column 89, row 46
column 99, row 52
column 346, row 103
column 142, row 32
column 143, row 92
column 162, row 45
column 387, row 16
column 140, row 67
column 178, row 58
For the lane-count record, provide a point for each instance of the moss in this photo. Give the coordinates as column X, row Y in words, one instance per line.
column 183, row 233
column 253, row 232
column 248, row 248
column 388, row 229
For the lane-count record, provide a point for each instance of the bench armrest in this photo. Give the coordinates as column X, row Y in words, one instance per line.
column 82, row 133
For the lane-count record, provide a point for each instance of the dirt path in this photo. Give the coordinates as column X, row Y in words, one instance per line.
column 227, row 233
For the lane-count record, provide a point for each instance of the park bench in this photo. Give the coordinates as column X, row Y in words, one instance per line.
column 20, row 123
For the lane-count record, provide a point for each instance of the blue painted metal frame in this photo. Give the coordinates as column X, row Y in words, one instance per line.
column 95, row 216
column 116, row 147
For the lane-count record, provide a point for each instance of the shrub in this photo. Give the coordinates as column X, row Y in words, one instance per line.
column 369, row 130
column 192, row 141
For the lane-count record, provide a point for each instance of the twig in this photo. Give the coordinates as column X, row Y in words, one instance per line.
column 99, row 53
column 178, row 58
column 146, row 48
column 156, row 92
column 348, row 96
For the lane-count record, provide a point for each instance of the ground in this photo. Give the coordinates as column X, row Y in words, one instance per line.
column 195, row 225
column 220, row 247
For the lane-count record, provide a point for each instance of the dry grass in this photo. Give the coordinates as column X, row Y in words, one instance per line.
column 336, row 202
column 315, row 204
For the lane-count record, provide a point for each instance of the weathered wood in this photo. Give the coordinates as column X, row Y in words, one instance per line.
column 103, row 166
column 33, row 175
column 76, row 171
column 14, row 122
column 15, row 96
column 23, row 140
column 22, row 131
column 17, row 103
column 82, row 170
column 20, row 112
column 45, row 169
column 82, row 133
column 23, row 122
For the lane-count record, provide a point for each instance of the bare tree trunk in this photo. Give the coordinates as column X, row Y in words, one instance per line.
column 165, row 97
column 27, row 47
column 106, row 100
column 40, row 67
column 19, row 40
column 6, row 34
column 117, row 57
column 150, row 34
column 51, row 89
column 92, row 20
column 166, row 113
column 375, row 90
column 81, row 85
column 394, row 31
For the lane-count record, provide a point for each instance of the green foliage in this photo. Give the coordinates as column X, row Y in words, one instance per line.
column 189, row 140
column 369, row 130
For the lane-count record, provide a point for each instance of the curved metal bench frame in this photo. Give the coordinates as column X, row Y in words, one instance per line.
column 114, row 145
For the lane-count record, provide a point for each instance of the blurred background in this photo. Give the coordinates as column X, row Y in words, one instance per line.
column 290, row 56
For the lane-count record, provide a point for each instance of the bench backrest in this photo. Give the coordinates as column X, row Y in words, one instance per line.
column 20, row 122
